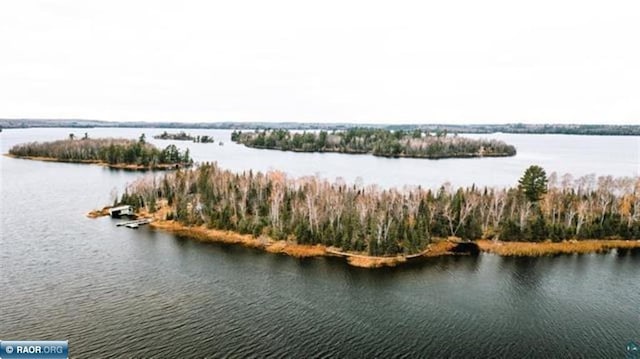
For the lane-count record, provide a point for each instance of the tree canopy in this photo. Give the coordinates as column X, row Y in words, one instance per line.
column 389, row 221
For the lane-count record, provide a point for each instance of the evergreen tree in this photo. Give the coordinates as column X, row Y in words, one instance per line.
column 533, row 183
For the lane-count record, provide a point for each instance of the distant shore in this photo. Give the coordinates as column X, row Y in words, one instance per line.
column 443, row 247
column 516, row 128
column 122, row 166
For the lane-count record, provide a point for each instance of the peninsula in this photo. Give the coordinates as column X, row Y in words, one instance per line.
column 373, row 227
column 109, row 152
column 378, row 142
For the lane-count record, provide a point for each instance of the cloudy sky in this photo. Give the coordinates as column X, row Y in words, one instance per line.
column 324, row 61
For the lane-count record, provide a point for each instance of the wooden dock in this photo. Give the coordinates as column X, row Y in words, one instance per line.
column 134, row 224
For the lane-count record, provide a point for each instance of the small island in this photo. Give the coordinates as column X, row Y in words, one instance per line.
column 378, row 142
column 183, row 136
column 372, row 227
column 110, row 152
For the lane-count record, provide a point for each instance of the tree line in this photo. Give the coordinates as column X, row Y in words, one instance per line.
column 107, row 150
column 379, row 142
column 569, row 129
column 391, row 221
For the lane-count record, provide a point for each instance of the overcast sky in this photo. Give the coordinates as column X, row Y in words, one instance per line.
column 323, row 61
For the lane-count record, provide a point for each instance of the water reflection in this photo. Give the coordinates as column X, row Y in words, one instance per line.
column 579, row 263
column 470, row 263
column 628, row 252
column 523, row 271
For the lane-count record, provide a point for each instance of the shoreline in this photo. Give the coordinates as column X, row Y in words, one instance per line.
column 462, row 156
column 290, row 248
column 443, row 247
column 541, row 249
column 120, row 166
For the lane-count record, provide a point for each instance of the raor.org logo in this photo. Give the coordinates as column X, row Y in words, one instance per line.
column 34, row 349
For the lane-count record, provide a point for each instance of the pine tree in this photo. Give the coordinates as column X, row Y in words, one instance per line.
column 533, row 183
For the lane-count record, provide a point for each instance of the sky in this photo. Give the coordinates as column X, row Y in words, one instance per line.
column 460, row 61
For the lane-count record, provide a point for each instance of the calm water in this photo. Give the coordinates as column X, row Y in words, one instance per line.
column 115, row 292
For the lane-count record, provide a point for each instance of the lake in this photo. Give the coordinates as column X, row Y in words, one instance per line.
column 117, row 292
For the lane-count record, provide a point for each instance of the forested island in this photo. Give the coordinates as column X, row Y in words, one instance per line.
column 541, row 215
column 111, row 152
column 378, row 142
column 183, row 136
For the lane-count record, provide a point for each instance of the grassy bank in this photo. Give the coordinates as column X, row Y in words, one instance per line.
column 99, row 212
column 205, row 234
column 293, row 249
column 530, row 249
column 444, row 247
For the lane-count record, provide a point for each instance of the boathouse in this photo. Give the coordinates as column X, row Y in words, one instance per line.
column 121, row 211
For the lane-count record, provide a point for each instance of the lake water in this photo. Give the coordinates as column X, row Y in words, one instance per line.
column 116, row 292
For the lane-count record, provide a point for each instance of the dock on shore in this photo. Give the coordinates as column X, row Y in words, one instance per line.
column 135, row 223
